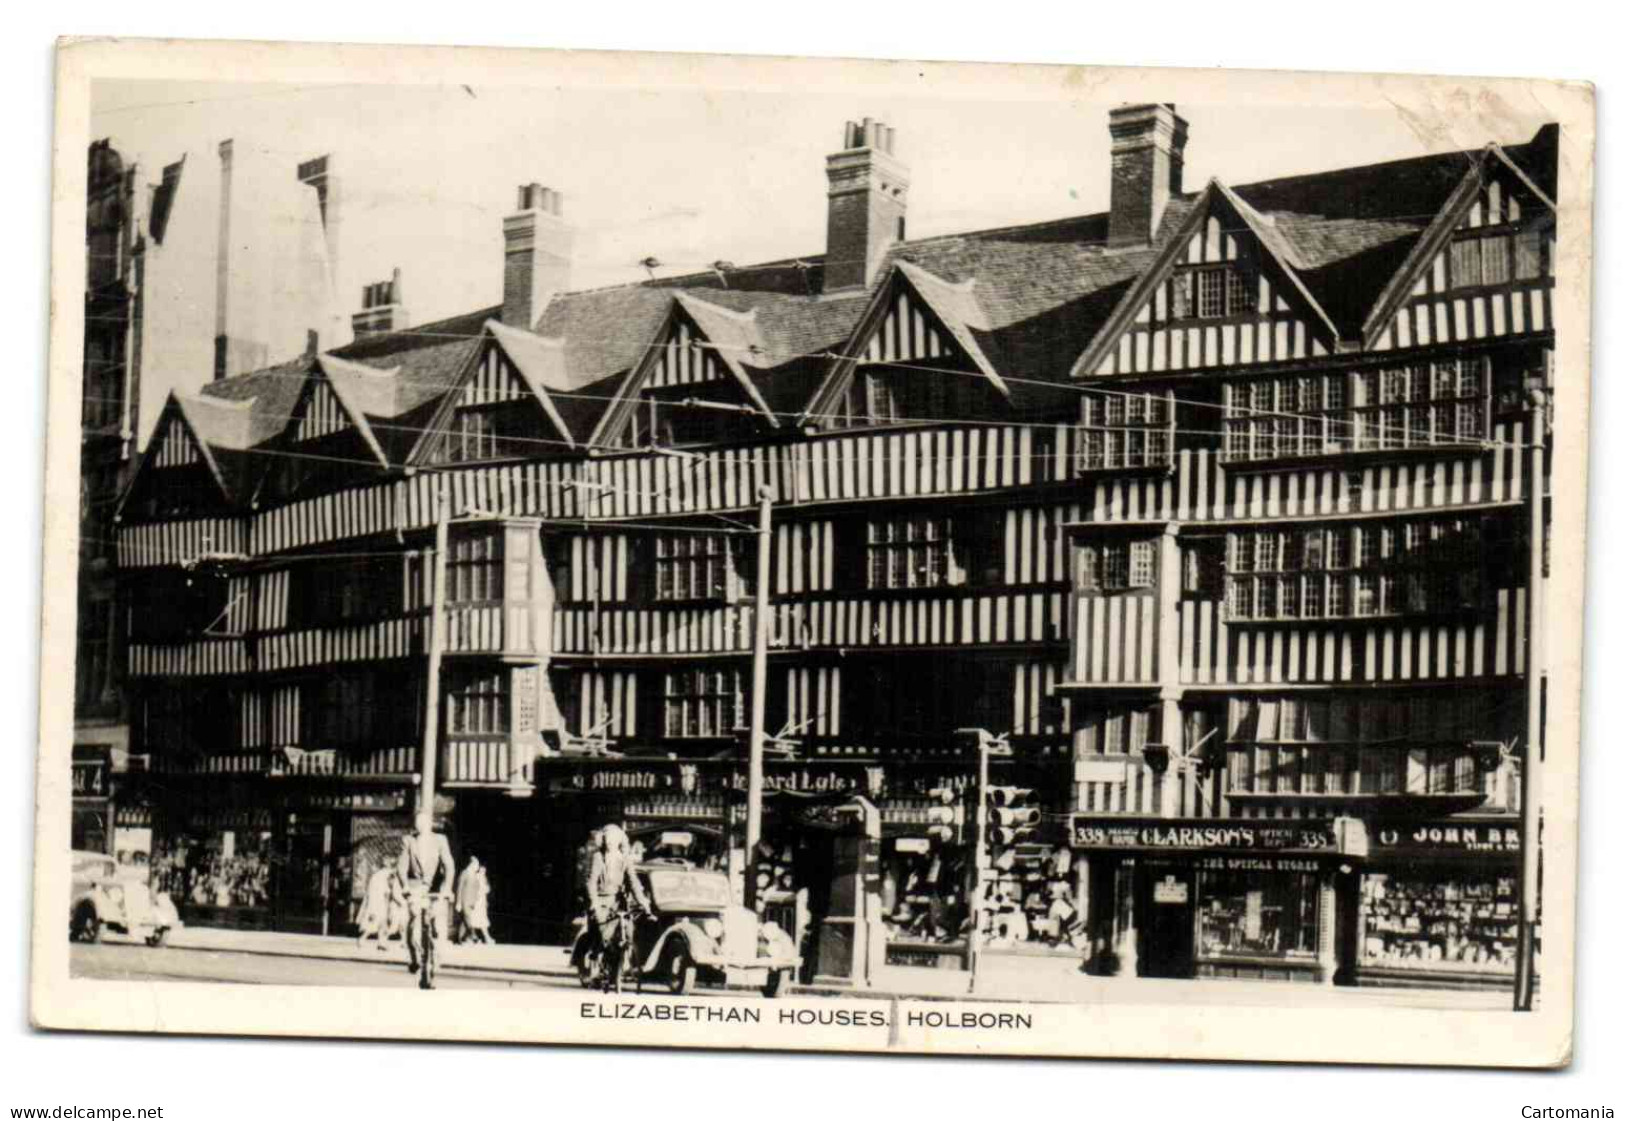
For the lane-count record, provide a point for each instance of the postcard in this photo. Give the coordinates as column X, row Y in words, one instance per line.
column 813, row 554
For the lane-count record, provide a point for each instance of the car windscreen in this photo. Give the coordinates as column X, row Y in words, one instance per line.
column 684, row 889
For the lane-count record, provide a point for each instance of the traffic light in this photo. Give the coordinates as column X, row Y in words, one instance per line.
column 1012, row 815
column 945, row 818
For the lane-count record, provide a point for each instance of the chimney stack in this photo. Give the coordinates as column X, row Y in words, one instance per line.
column 222, row 268
column 381, row 309
column 868, row 201
column 536, row 259
column 1148, row 168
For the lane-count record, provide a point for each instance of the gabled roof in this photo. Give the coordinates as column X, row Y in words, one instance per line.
column 961, row 313
column 540, row 363
column 1282, row 249
column 1022, row 302
column 361, row 390
column 953, row 305
column 1438, row 231
column 734, row 338
column 216, row 428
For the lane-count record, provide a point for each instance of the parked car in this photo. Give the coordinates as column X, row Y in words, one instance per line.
column 108, row 896
column 697, row 934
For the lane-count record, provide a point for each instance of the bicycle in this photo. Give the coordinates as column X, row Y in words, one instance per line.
column 607, row 963
column 428, row 934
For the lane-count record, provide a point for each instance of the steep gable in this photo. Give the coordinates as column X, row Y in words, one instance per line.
column 699, row 352
column 179, row 460
column 1482, row 269
column 917, row 327
column 1223, row 290
column 503, row 408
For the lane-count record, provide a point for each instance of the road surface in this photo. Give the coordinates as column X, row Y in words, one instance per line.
column 133, row 961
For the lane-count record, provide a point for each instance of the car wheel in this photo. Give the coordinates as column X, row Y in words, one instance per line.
column 684, row 973
column 85, row 927
column 777, row 983
column 158, row 937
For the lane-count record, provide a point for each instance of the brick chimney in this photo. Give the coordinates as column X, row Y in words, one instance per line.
column 1148, row 168
column 536, row 258
column 381, row 309
column 868, row 200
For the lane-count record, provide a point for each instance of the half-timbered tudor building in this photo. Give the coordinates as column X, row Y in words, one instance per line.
column 1214, row 503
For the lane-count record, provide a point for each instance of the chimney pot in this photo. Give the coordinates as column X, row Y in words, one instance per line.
column 536, row 258
column 1148, row 165
column 868, row 198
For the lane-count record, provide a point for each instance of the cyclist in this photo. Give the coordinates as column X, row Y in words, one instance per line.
column 609, row 882
column 426, row 869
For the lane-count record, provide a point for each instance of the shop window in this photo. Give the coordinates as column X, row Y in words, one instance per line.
column 703, row 703
column 1443, row 923
column 216, row 866
column 699, row 566
column 477, row 703
column 474, row 569
column 1257, row 914
column 913, row 552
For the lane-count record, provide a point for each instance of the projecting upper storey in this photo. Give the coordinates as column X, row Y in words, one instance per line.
column 1000, row 327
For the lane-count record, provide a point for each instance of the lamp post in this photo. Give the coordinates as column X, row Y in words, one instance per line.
column 1523, row 988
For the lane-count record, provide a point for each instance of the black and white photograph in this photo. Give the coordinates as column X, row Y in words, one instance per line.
column 796, row 555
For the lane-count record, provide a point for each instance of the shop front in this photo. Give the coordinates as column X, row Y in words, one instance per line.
column 1255, row 899
column 1438, row 905
column 268, row 854
column 695, row 811
column 92, row 799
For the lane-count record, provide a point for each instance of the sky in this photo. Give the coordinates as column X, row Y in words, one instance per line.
column 691, row 176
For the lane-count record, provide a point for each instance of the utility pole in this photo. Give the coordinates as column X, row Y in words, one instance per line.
column 436, row 641
column 1523, row 988
column 758, row 677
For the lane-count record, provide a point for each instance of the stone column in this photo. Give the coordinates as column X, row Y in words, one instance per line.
column 1326, row 950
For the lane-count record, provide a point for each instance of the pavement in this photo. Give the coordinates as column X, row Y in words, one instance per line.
column 207, row 954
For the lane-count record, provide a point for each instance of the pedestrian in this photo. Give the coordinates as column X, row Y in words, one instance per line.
column 381, row 906
column 473, row 898
column 426, row 869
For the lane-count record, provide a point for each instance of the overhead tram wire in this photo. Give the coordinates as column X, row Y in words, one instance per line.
column 858, row 359
column 1482, row 444
column 1232, row 412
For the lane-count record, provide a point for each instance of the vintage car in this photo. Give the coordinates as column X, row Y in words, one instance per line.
column 696, row 933
column 107, row 896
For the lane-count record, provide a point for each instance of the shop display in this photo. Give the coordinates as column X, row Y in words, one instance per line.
column 1257, row 914
column 224, row 868
column 1031, row 900
column 923, row 892
column 1460, row 924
